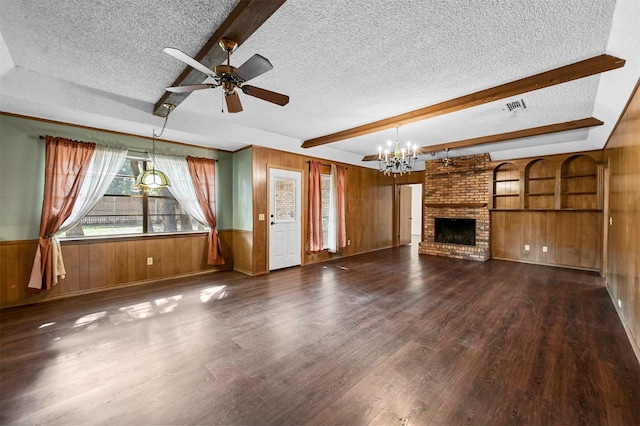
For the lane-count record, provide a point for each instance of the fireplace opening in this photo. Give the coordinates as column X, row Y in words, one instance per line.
column 455, row 231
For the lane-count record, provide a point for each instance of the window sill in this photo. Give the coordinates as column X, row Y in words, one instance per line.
column 128, row 237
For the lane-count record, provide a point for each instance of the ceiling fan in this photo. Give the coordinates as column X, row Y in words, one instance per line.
column 230, row 77
column 448, row 161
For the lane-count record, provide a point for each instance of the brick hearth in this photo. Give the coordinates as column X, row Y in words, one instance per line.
column 460, row 191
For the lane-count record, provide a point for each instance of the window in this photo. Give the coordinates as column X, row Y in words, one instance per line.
column 127, row 208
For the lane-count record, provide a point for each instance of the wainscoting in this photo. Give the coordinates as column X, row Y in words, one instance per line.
column 243, row 251
column 100, row 265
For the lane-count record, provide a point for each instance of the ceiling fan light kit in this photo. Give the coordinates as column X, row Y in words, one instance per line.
column 230, row 77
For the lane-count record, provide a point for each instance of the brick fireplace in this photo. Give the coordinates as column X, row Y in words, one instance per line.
column 459, row 191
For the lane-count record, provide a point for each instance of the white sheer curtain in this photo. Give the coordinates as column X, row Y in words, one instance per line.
column 104, row 165
column 182, row 188
column 333, row 225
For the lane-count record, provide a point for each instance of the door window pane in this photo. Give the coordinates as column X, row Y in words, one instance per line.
column 285, row 200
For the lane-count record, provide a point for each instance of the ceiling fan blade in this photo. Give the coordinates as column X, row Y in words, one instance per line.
column 191, row 88
column 255, row 66
column 181, row 56
column 266, row 95
column 233, row 102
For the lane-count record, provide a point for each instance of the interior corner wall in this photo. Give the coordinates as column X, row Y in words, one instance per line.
column 224, row 190
column 623, row 243
column 242, row 190
column 243, row 211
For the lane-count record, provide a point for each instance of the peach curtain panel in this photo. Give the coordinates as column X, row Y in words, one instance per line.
column 66, row 164
column 340, row 180
column 203, row 174
column 314, row 230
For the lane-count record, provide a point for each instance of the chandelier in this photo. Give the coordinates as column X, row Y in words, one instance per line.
column 399, row 161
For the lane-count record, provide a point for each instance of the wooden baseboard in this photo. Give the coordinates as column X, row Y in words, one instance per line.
column 555, row 265
column 634, row 343
column 243, row 271
column 103, row 289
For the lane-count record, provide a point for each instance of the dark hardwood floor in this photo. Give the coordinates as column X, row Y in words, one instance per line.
column 388, row 338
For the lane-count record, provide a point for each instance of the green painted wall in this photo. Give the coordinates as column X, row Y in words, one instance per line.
column 224, row 189
column 243, row 190
column 22, row 170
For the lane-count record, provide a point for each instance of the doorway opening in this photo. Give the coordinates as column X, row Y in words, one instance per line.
column 410, row 214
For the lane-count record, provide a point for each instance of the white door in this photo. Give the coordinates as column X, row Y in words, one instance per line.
column 284, row 217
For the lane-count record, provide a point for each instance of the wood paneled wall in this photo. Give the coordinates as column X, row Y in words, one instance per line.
column 572, row 238
column 16, row 258
column 623, row 247
column 242, row 251
column 369, row 206
column 555, row 202
column 99, row 265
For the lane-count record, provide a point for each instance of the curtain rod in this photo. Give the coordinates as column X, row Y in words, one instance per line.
column 328, row 165
column 128, row 149
column 41, row 137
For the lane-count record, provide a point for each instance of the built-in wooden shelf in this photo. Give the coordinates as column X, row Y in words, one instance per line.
column 560, row 182
column 445, row 205
column 580, row 193
column 545, row 210
column 542, row 178
column 591, row 175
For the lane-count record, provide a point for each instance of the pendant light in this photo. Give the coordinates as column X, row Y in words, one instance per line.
column 154, row 178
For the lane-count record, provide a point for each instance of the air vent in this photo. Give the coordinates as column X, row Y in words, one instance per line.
column 519, row 104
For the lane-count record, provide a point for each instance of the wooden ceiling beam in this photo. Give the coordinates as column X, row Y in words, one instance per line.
column 577, row 70
column 501, row 137
column 242, row 22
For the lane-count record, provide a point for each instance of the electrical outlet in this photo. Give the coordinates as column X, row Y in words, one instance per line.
column 526, row 247
column 610, row 221
column 544, row 249
column 348, row 242
column 149, row 260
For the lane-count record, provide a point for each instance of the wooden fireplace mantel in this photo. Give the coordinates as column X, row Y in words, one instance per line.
column 445, row 205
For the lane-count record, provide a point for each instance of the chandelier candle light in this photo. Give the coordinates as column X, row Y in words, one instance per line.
column 154, row 178
column 400, row 161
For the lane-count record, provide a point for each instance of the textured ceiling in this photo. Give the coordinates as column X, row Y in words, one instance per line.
column 343, row 64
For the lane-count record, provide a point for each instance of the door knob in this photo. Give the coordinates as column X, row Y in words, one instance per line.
column 273, row 223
